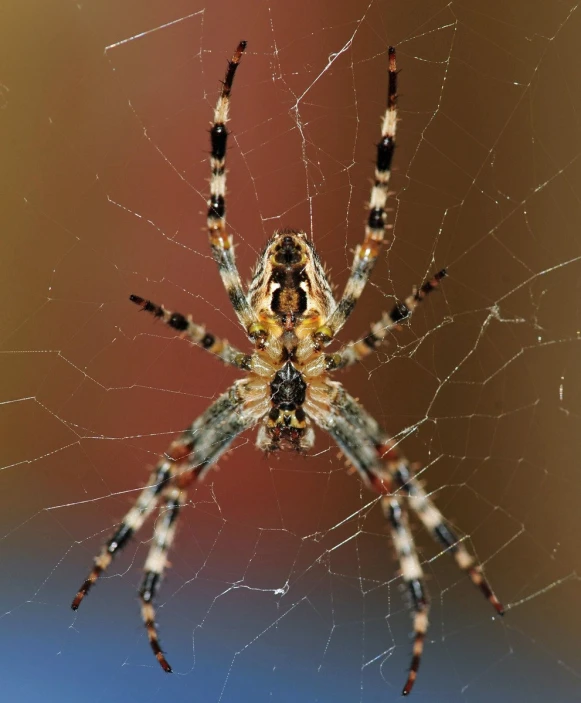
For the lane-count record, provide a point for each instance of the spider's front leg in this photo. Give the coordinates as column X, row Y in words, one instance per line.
column 383, row 468
column 367, row 252
column 220, row 241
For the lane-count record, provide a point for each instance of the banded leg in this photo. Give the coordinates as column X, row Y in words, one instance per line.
column 196, row 333
column 155, row 565
column 212, row 434
column 353, row 352
column 130, row 524
column 413, row 576
column 435, row 523
column 325, row 406
column 358, row 435
column 401, row 477
column 198, row 448
column 366, row 253
column 221, row 242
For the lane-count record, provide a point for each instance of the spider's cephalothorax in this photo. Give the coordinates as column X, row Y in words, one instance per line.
column 290, row 316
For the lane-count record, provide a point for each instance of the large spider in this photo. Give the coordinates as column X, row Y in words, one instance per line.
column 290, row 316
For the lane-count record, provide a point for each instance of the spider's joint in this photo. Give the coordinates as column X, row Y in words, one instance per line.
column 258, row 334
column 323, row 336
column 218, row 238
column 332, row 361
column 243, row 361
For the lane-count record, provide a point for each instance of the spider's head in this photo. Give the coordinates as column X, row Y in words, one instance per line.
column 289, row 289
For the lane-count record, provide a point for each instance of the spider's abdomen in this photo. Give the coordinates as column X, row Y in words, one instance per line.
column 289, row 289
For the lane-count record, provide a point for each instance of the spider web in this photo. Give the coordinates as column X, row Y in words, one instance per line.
column 282, row 584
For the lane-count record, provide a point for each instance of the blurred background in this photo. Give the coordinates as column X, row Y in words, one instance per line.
column 282, row 584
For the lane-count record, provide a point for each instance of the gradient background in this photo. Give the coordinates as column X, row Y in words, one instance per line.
column 279, row 590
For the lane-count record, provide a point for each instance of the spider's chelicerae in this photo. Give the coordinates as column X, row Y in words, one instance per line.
column 290, row 316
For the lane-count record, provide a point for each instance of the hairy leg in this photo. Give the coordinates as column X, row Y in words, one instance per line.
column 366, row 253
column 196, row 333
column 356, row 351
column 220, row 241
column 189, row 457
column 382, row 466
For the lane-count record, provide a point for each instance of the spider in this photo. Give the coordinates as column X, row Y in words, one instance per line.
column 290, row 316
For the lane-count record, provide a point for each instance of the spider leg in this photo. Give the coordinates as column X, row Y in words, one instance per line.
column 357, row 434
column 221, row 242
column 366, row 253
column 402, row 477
column 155, row 564
column 196, row 333
column 215, row 430
column 356, row 351
column 413, row 576
column 130, row 524
column 435, row 523
column 375, row 455
column 193, row 453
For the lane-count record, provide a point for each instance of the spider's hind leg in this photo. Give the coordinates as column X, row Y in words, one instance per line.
column 435, row 523
column 137, row 515
column 155, row 565
column 384, row 469
column 413, row 576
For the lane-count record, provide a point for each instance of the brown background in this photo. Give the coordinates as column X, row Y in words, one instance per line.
column 281, row 590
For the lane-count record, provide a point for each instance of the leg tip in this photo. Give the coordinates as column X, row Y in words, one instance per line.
column 77, row 600
column 164, row 663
